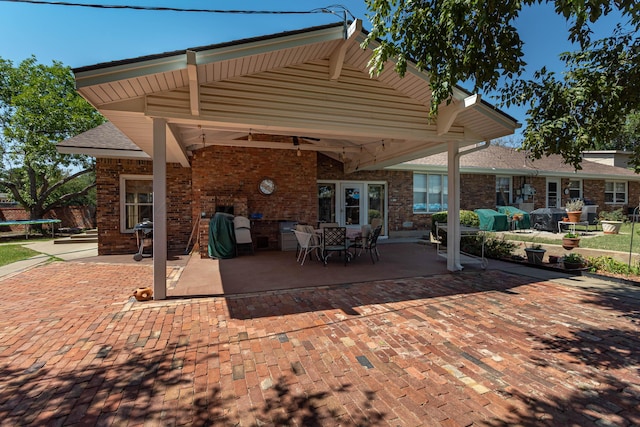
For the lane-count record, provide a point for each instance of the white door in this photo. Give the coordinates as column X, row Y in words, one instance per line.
column 553, row 193
column 352, row 204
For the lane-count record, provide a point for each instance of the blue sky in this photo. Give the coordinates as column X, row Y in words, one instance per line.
column 79, row 36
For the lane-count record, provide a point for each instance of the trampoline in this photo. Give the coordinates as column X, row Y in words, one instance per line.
column 28, row 222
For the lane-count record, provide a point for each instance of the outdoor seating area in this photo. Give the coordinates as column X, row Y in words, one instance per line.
column 332, row 241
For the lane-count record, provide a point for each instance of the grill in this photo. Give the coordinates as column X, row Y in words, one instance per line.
column 144, row 238
column 546, row 219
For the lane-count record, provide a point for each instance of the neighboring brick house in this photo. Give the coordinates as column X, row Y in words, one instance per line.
column 505, row 176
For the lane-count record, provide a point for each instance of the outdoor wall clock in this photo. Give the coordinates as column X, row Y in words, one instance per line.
column 267, row 186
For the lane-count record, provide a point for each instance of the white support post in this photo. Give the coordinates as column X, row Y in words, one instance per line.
column 453, row 207
column 159, row 209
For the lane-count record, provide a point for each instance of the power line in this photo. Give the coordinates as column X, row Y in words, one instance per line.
column 327, row 9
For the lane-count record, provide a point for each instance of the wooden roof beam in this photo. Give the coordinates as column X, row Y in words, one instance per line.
column 194, row 92
column 447, row 114
column 336, row 61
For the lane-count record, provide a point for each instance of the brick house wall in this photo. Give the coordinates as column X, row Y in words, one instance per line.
column 230, row 176
column 399, row 192
column 477, row 192
column 70, row 216
column 179, row 224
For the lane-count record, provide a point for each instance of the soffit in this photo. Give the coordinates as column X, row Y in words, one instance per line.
column 282, row 86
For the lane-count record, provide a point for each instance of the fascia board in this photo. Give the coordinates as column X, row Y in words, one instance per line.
column 178, row 61
column 269, row 45
column 104, row 153
column 519, row 172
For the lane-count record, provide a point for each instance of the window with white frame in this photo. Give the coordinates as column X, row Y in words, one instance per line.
column 615, row 192
column 575, row 189
column 503, row 190
column 429, row 193
column 136, row 200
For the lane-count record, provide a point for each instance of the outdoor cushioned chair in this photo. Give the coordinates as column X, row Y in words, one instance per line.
column 242, row 228
column 307, row 243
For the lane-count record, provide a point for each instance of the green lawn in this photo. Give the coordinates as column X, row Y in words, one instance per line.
column 611, row 242
column 13, row 253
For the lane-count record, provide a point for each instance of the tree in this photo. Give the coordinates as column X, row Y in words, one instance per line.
column 475, row 42
column 39, row 106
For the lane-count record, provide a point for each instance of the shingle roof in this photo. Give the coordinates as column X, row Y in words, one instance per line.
column 105, row 137
column 509, row 160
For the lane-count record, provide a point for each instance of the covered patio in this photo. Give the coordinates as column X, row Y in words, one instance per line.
column 302, row 92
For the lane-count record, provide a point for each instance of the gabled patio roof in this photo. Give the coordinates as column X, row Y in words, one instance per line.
column 311, row 88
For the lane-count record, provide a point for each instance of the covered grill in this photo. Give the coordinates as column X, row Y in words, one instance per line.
column 546, row 219
column 144, row 238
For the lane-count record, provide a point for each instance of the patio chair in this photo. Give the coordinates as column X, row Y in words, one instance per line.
column 307, row 243
column 328, row 224
column 370, row 244
column 335, row 240
column 357, row 243
column 242, row 229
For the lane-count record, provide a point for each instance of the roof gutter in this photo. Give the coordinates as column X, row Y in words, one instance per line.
column 473, row 150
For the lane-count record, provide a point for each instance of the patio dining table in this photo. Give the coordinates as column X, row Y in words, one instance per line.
column 352, row 234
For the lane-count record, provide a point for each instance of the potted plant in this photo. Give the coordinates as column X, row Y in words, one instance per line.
column 574, row 209
column 570, row 241
column 535, row 253
column 573, row 261
column 611, row 221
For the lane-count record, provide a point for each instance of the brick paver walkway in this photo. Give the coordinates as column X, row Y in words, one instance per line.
column 482, row 349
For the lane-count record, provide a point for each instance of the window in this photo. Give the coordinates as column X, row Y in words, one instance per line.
column 503, row 190
column 429, row 193
column 575, row 189
column 615, row 192
column 327, row 202
column 136, row 201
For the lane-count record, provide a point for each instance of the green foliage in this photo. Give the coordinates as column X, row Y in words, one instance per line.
column 496, row 248
column 574, row 205
column 615, row 215
column 574, row 258
column 587, row 108
column 610, row 265
column 468, row 218
column 39, row 106
column 571, row 236
column 476, row 42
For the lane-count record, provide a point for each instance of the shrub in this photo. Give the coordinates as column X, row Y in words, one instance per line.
column 616, row 215
column 573, row 258
column 574, row 205
column 468, row 218
column 610, row 265
column 496, row 248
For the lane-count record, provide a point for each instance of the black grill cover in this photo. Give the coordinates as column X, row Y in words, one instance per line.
column 546, row 219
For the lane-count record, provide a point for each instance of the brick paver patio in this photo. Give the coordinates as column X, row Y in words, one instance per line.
column 482, row 348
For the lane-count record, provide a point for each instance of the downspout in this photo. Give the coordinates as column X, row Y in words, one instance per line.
column 453, row 211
